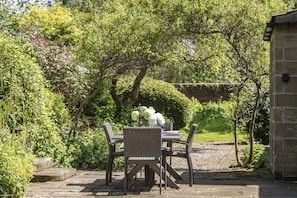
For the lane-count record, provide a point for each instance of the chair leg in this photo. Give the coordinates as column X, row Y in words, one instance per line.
column 125, row 178
column 190, row 167
column 161, row 175
column 108, row 171
column 165, row 171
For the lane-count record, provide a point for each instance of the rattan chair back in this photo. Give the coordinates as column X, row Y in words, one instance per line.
column 142, row 142
column 143, row 145
column 108, row 132
column 190, row 138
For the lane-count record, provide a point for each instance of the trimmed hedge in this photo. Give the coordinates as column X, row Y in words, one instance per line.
column 164, row 97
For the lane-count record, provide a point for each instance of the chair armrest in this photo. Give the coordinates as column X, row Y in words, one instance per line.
column 118, row 141
column 180, row 142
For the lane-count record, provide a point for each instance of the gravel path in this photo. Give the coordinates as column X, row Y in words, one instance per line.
column 210, row 156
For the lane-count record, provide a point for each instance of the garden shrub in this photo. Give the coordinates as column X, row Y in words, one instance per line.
column 261, row 131
column 90, row 150
column 164, row 97
column 214, row 116
column 52, row 23
column 260, row 157
column 51, row 33
column 27, row 106
column 16, row 166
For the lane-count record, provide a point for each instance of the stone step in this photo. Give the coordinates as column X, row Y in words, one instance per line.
column 43, row 163
column 53, row 174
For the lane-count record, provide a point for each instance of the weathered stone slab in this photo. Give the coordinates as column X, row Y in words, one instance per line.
column 54, row 174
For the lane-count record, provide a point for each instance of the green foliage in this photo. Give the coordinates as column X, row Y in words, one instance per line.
column 27, row 106
column 90, row 150
column 260, row 157
column 52, row 23
column 261, row 132
column 16, row 165
column 102, row 107
column 51, row 33
column 60, row 69
column 164, row 97
column 214, row 117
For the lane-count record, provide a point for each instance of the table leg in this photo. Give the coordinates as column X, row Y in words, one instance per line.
column 170, row 183
column 173, row 172
column 149, row 175
column 135, row 170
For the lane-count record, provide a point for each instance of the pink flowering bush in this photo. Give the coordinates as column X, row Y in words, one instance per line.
column 58, row 64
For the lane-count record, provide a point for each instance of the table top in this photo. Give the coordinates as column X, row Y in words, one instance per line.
column 166, row 135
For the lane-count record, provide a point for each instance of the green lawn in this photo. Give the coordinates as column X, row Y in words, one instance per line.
column 218, row 137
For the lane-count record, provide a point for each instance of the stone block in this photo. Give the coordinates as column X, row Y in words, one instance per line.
column 285, row 100
column 290, row 115
column 43, row 163
column 290, row 148
column 279, row 37
column 290, row 37
column 277, row 114
column 272, row 128
column 290, row 53
column 285, row 130
column 279, row 54
column 289, row 166
column 53, row 174
column 277, row 148
column 290, row 86
column 276, row 84
column 285, row 67
column 290, row 30
column 277, row 167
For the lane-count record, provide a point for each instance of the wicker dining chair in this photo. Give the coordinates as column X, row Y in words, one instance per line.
column 143, row 146
column 185, row 152
column 113, row 153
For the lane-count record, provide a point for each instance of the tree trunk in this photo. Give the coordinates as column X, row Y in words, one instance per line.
column 81, row 109
column 235, row 122
column 253, row 120
column 136, row 87
column 122, row 105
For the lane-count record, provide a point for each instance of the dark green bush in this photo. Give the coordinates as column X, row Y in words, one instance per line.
column 261, row 132
column 90, row 150
column 260, row 157
column 164, row 97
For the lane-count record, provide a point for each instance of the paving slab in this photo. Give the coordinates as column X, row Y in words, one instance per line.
column 53, row 174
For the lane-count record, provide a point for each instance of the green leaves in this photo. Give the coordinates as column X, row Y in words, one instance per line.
column 16, row 166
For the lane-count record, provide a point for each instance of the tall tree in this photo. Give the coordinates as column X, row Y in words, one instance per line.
column 238, row 25
column 124, row 37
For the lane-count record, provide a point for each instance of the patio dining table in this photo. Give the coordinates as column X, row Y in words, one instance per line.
column 167, row 137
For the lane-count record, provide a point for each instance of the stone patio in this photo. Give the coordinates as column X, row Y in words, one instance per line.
column 233, row 183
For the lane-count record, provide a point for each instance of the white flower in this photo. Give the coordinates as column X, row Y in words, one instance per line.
column 153, row 120
column 160, row 119
column 135, row 115
column 142, row 109
column 148, row 113
column 147, row 116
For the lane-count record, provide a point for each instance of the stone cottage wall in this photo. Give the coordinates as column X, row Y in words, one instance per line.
column 283, row 98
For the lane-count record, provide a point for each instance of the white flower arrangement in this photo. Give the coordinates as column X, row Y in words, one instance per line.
column 147, row 116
